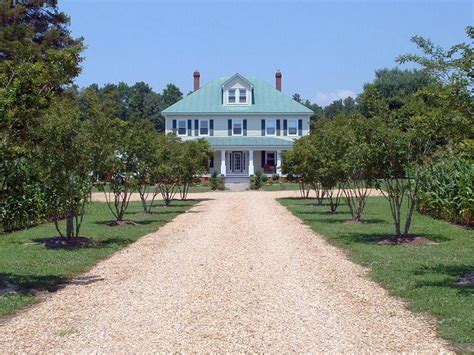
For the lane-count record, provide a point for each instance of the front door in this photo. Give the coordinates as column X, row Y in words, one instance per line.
column 237, row 162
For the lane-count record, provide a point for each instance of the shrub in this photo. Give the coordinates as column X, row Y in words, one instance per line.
column 258, row 180
column 275, row 177
column 447, row 191
column 22, row 204
column 216, row 182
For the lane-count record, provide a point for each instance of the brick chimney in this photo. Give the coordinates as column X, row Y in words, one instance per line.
column 278, row 80
column 197, row 78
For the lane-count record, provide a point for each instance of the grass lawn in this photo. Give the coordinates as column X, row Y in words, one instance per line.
column 276, row 186
column 422, row 275
column 26, row 263
column 192, row 189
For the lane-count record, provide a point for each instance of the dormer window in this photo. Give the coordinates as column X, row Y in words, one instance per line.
column 242, row 96
column 237, row 91
column 232, row 96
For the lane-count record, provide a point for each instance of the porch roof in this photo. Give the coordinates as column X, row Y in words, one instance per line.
column 249, row 142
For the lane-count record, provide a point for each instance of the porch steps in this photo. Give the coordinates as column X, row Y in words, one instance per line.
column 237, row 182
column 237, row 186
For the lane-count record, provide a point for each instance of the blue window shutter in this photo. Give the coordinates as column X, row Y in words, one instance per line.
column 285, row 127
column 229, row 127
column 300, row 127
column 263, row 159
column 263, row 127
column 211, row 161
column 245, row 127
column 211, row 127
column 174, row 126
column 278, row 127
column 190, row 127
column 196, row 127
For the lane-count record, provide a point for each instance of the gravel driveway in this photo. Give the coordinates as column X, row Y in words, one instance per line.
column 236, row 273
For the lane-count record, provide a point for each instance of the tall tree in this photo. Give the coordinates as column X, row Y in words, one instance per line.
column 318, row 110
column 38, row 58
column 340, row 106
column 394, row 86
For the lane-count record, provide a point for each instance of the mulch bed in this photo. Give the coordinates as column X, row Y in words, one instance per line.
column 410, row 240
column 62, row 242
column 125, row 222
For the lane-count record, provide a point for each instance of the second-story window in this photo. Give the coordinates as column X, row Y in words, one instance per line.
column 182, row 128
column 236, row 127
column 292, row 127
column 203, row 127
column 271, row 127
column 242, row 96
column 232, row 96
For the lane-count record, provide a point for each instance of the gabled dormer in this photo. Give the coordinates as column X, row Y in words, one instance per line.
column 237, row 91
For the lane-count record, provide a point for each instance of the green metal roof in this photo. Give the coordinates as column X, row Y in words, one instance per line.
column 248, row 142
column 208, row 100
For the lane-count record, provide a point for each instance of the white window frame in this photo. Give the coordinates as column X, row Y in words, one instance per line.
column 241, row 127
column 266, row 128
column 235, row 96
column 296, row 122
column 246, row 96
column 208, row 128
column 185, row 128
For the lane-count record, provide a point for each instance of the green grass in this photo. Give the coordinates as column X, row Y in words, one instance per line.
column 422, row 275
column 25, row 262
column 276, row 186
column 199, row 188
column 203, row 187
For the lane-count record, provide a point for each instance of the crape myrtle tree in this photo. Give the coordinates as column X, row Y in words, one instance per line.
column 38, row 57
column 168, row 169
column 146, row 150
column 66, row 165
column 407, row 146
column 119, row 175
column 359, row 162
column 193, row 159
column 331, row 144
column 296, row 165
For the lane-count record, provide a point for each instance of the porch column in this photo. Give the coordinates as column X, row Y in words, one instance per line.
column 223, row 168
column 278, row 157
column 251, row 167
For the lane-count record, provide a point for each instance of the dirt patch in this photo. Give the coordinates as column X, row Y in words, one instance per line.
column 62, row 242
column 467, row 280
column 410, row 240
column 125, row 222
column 7, row 288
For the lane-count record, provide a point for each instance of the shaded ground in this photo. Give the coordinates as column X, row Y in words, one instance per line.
column 236, row 273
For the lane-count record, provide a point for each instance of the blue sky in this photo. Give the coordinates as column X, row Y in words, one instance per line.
column 325, row 50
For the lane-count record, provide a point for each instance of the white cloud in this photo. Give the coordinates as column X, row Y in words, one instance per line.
column 325, row 98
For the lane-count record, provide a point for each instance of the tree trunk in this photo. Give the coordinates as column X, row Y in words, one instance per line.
column 70, row 225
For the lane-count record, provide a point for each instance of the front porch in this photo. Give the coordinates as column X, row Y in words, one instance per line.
column 245, row 163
